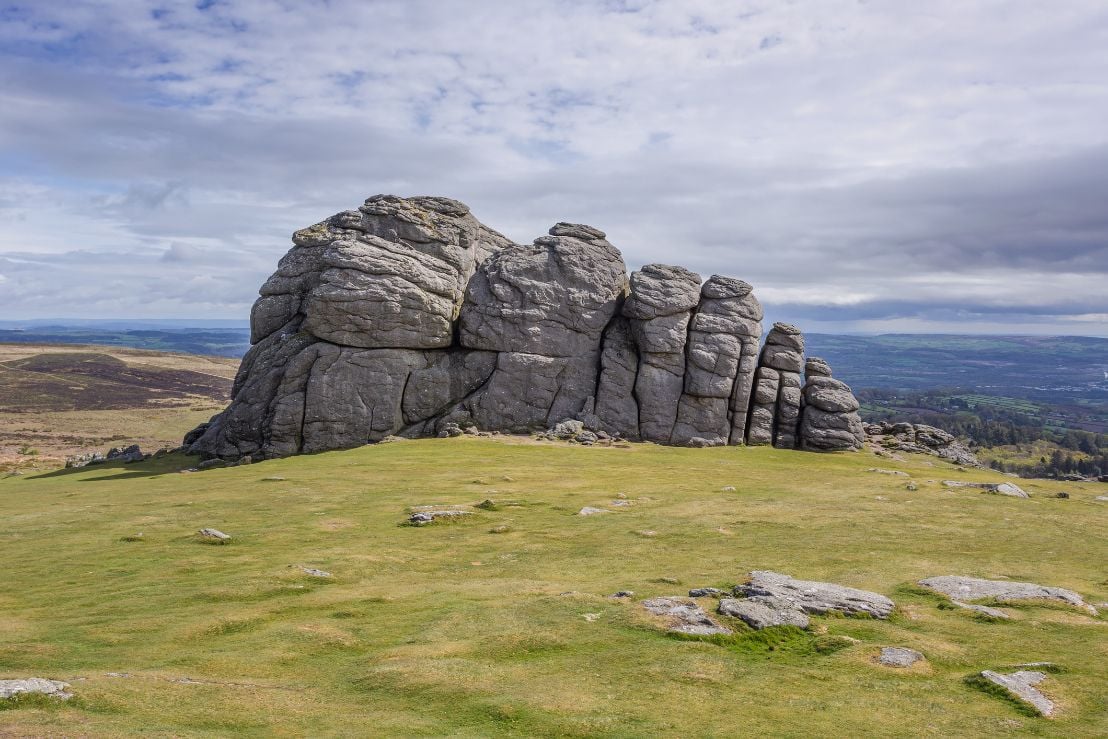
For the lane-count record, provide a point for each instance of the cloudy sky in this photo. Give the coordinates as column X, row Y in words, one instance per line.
column 868, row 166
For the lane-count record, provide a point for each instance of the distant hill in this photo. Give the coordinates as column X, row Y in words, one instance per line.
column 215, row 341
column 57, row 400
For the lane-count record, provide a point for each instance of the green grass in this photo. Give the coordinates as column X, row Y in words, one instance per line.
column 455, row 630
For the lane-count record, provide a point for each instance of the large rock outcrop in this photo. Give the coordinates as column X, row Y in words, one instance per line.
column 408, row 315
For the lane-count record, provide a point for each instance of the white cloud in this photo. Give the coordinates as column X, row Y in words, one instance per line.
column 865, row 157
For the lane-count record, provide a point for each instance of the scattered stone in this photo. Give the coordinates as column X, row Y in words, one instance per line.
column 34, row 685
column 1021, row 685
column 1000, row 488
column 648, row 533
column 983, row 610
column 273, row 479
column 214, row 535
column 704, row 592
column 1062, row 495
column 728, row 489
column 911, row 486
column 314, row 572
column 816, row 597
column 422, row 518
column 590, row 617
column 126, row 454
column 586, row 438
column 899, row 656
column 501, row 529
column 888, row 472
column 919, row 439
column 209, row 464
column 760, row 612
column 622, row 594
column 684, row 616
column 590, row 511
column 618, row 503
column 83, row 460
column 1101, row 498
column 976, row 588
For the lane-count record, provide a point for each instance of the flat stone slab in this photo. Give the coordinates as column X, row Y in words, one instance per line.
column 1021, row 685
column 975, row 588
column 898, row 657
column 421, row 518
column 684, row 616
column 999, row 488
column 816, row 597
column 984, row 610
column 761, row 612
column 704, row 592
column 34, row 685
column 214, row 535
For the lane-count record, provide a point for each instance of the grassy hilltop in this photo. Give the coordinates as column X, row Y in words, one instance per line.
column 500, row 624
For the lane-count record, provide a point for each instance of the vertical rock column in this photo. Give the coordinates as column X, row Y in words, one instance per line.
column 829, row 420
column 721, row 358
column 775, row 420
column 659, row 308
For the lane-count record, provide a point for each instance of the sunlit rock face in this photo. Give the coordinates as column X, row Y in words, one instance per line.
column 409, row 315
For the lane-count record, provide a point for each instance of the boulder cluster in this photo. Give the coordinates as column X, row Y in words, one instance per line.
column 409, row 317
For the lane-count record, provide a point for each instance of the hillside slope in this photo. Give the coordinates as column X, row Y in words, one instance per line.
column 57, row 400
column 501, row 624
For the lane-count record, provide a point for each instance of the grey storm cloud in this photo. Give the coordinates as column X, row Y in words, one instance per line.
column 937, row 166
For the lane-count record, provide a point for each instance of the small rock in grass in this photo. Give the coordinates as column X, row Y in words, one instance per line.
column 760, row 612
column 911, row 486
column 684, row 616
column 273, row 479
column 976, row 588
column 34, row 685
column 209, row 464
column 1000, row 488
column 728, row 489
column 501, row 529
column 1062, row 495
column 214, row 535
column 704, row 592
column 590, row 511
column 899, row 657
column 881, row 471
column 648, row 533
column 590, row 617
column 132, row 537
column 421, row 518
column 314, row 572
column 1021, row 685
column 622, row 594
column 621, row 496
column 1101, row 498
column 620, row 503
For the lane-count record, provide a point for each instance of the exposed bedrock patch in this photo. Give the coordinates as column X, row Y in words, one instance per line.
column 407, row 316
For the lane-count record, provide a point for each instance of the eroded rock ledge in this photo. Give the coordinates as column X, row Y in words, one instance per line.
column 409, row 314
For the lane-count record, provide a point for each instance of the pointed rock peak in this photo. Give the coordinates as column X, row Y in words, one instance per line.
column 577, row 231
column 719, row 286
column 786, row 328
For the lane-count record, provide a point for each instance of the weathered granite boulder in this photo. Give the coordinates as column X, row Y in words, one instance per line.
column 920, row 439
column 761, row 612
column 684, row 616
column 408, row 317
column 658, row 310
column 829, row 419
column 815, row 597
